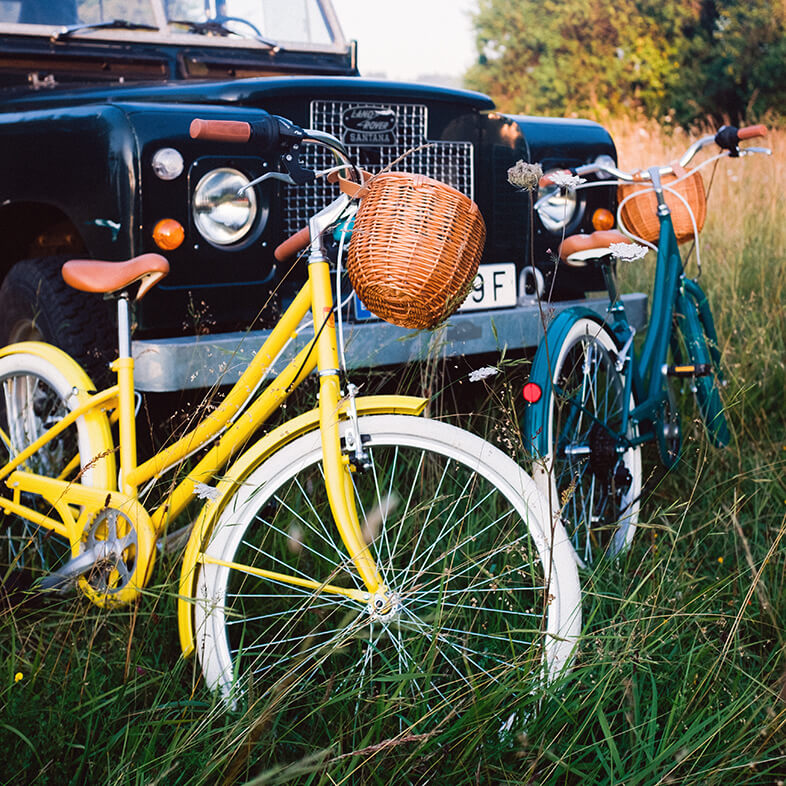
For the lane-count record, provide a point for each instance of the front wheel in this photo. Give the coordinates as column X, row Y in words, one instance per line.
column 584, row 464
column 483, row 594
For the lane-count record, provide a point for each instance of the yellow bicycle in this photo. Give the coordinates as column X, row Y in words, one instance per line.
column 361, row 546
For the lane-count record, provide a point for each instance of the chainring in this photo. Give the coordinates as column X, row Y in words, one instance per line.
column 112, row 535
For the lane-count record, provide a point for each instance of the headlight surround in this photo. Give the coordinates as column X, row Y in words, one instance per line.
column 221, row 215
column 556, row 209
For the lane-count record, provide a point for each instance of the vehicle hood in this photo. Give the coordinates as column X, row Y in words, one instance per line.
column 248, row 92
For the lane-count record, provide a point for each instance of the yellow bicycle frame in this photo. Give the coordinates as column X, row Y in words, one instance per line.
column 77, row 504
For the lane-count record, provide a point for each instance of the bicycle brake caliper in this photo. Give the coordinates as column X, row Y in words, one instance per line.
column 622, row 355
column 359, row 457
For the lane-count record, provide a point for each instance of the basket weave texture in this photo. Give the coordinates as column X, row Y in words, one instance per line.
column 415, row 248
column 640, row 213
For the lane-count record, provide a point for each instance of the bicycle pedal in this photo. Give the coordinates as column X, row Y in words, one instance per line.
column 692, row 370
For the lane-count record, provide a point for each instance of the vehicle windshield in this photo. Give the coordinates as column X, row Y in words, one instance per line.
column 309, row 22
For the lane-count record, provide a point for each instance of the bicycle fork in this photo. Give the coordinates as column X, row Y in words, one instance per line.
column 338, row 466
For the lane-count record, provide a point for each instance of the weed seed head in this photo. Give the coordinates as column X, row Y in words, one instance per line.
column 564, row 179
column 525, row 176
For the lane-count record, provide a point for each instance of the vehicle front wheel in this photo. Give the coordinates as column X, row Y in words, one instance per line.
column 37, row 305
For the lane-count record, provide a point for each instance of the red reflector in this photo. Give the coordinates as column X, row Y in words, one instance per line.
column 532, row 392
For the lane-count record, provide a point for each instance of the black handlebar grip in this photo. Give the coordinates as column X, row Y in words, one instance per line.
column 728, row 138
column 265, row 133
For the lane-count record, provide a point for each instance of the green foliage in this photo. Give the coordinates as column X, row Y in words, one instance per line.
column 670, row 59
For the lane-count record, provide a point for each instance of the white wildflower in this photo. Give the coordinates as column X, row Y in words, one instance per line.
column 482, row 373
column 564, row 179
column 524, row 175
column 203, row 491
column 627, row 251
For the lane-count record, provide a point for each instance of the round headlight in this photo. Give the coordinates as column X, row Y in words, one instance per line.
column 556, row 209
column 221, row 215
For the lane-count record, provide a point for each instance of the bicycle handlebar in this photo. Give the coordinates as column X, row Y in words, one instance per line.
column 270, row 133
column 727, row 137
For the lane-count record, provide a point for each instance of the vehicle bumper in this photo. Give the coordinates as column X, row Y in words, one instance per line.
column 169, row 364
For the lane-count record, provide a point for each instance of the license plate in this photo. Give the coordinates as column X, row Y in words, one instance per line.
column 494, row 287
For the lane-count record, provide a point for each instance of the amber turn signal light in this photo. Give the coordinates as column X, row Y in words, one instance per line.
column 602, row 219
column 168, row 234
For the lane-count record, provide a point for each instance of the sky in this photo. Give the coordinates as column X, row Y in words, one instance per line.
column 405, row 39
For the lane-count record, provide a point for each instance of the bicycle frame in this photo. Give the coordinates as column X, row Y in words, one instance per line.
column 646, row 371
column 239, row 416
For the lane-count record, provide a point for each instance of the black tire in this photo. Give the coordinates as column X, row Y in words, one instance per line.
column 37, row 305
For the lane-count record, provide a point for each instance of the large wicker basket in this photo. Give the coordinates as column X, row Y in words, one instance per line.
column 415, row 248
column 640, row 213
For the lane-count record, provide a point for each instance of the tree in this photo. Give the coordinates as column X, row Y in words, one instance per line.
column 663, row 57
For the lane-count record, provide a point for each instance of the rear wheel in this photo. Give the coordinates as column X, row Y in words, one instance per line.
column 586, row 466
column 34, row 396
column 693, row 344
column 479, row 602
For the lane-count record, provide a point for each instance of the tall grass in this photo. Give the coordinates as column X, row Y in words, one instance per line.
column 680, row 675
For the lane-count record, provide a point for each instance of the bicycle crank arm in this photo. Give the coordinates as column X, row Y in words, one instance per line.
column 63, row 578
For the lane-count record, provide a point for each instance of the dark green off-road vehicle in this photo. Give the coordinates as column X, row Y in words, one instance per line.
column 96, row 99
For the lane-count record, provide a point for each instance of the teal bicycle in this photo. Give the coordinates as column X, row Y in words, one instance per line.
column 592, row 399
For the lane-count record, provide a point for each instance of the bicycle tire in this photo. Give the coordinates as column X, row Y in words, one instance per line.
column 34, row 394
column 259, row 637
column 574, row 432
column 706, row 388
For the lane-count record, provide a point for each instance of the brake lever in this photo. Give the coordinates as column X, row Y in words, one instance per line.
column 282, row 176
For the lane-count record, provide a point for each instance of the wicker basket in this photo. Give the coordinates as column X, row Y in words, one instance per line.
column 640, row 213
column 415, row 248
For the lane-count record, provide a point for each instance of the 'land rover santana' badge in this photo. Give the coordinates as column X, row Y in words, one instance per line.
column 369, row 125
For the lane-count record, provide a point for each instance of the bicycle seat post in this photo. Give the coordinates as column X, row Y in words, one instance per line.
column 124, row 368
column 123, row 326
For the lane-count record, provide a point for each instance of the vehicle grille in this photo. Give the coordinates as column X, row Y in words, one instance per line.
column 450, row 162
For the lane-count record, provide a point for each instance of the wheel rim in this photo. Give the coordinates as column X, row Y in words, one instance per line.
column 597, row 483
column 465, row 616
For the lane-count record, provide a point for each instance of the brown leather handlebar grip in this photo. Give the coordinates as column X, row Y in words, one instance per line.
column 751, row 132
column 292, row 245
column 220, row 130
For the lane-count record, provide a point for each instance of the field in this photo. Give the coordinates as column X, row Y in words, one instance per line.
column 681, row 672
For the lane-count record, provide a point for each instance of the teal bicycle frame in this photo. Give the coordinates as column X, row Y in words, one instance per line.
column 680, row 310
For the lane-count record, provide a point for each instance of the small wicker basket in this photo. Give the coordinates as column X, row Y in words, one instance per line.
column 640, row 213
column 415, row 248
